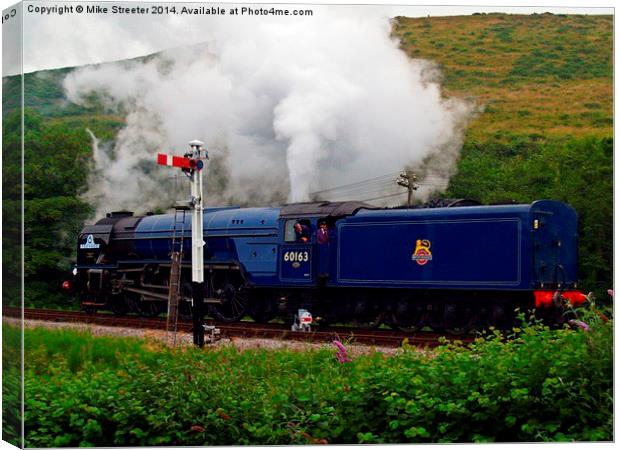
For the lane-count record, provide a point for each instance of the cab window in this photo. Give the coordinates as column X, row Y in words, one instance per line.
column 297, row 230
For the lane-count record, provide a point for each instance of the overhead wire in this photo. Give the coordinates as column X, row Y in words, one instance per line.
column 368, row 190
column 358, row 183
column 376, row 188
column 383, row 196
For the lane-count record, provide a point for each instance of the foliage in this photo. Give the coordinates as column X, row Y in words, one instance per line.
column 11, row 385
column 43, row 93
column 536, row 385
column 11, row 212
column 54, row 173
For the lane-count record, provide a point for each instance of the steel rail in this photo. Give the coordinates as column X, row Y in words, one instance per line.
column 384, row 338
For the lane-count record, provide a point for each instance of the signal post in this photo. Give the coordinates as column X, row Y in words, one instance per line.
column 192, row 164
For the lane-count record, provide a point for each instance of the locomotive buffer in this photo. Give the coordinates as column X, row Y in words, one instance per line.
column 191, row 164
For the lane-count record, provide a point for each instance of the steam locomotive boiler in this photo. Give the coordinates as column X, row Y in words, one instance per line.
column 446, row 267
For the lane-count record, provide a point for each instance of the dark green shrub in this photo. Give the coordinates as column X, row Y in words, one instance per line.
column 530, row 386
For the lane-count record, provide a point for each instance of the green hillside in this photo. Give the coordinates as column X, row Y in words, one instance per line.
column 542, row 75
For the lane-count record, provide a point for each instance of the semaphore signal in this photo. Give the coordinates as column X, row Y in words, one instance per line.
column 182, row 162
column 192, row 164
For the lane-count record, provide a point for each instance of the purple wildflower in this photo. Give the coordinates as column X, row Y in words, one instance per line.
column 584, row 326
column 341, row 352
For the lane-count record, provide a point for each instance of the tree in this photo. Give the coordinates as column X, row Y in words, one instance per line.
column 54, row 172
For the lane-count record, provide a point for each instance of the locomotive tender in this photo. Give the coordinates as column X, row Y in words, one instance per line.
column 446, row 267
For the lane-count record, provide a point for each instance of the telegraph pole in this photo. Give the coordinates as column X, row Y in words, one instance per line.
column 407, row 179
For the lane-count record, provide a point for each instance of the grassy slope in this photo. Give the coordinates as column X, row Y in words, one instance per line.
column 542, row 75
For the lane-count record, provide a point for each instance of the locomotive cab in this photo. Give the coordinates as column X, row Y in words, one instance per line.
column 296, row 257
column 308, row 240
column 305, row 249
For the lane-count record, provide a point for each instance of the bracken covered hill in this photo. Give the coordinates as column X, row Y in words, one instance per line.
column 539, row 75
column 543, row 75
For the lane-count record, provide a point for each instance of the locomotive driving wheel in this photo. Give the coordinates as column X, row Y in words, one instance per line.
column 367, row 317
column 408, row 317
column 118, row 305
column 369, row 323
column 151, row 308
column 261, row 309
column 233, row 301
column 457, row 320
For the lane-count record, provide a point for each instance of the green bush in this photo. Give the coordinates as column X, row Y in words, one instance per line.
column 11, row 385
column 536, row 385
column 54, row 161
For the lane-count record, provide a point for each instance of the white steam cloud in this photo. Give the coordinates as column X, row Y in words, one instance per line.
column 286, row 108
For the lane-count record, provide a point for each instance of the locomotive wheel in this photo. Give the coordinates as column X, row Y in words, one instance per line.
column 118, row 305
column 407, row 318
column 233, row 306
column 261, row 316
column 369, row 323
column 366, row 316
column 185, row 311
column 261, row 309
column 323, row 321
column 119, row 309
column 405, row 328
column 150, row 308
column 457, row 321
column 501, row 315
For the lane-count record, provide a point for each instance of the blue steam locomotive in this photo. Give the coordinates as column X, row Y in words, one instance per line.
column 455, row 266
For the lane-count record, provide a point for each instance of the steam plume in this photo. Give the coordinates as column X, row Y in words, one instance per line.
column 286, row 107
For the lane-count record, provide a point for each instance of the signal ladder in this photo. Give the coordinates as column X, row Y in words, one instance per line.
column 176, row 260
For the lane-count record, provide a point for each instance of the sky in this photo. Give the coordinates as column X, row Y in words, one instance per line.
column 54, row 41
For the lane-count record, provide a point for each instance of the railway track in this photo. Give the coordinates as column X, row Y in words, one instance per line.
column 386, row 338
